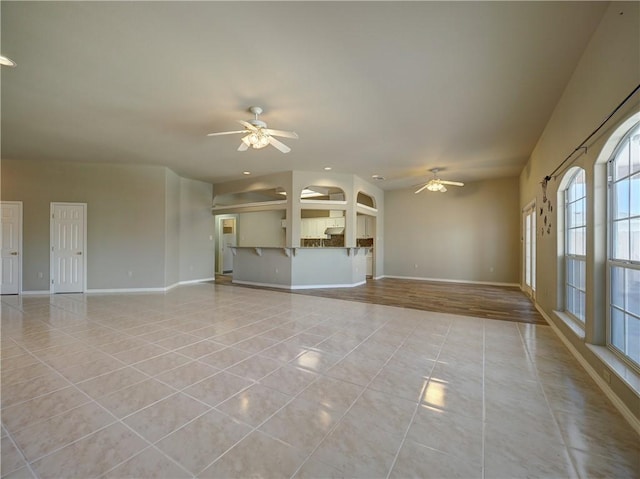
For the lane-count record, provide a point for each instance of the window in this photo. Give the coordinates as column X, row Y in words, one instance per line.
column 575, row 245
column 623, row 325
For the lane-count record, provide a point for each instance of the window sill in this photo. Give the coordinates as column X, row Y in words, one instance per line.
column 571, row 323
column 626, row 373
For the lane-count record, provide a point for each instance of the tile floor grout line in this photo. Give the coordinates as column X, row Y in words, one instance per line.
column 546, row 400
column 287, row 403
column 149, row 447
column 357, row 397
column 95, row 401
column 484, row 395
column 22, row 454
column 91, row 399
column 417, row 407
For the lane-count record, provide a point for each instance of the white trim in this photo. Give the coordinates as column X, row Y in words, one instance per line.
column 249, row 205
column 266, row 285
column 127, row 290
column 314, row 286
column 323, row 202
column 193, row 281
column 20, row 248
column 366, row 208
column 620, row 406
column 440, row 280
column 294, row 287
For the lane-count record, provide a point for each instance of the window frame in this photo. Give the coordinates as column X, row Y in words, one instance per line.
column 613, row 262
column 570, row 289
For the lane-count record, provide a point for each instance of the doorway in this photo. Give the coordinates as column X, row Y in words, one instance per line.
column 11, row 247
column 68, row 255
column 227, row 236
column 529, row 249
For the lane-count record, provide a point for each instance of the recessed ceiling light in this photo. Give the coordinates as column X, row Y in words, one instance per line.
column 8, row 62
column 327, row 168
column 377, row 177
column 246, row 172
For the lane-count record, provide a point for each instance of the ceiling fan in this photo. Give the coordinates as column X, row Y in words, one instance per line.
column 257, row 135
column 436, row 184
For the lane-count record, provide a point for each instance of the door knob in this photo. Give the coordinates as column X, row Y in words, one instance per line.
column 14, row 253
column 79, row 252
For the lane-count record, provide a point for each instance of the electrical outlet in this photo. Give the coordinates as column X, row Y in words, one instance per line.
column 130, row 273
column 40, row 275
column 415, row 266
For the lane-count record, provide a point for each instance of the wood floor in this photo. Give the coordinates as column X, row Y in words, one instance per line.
column 483, row 301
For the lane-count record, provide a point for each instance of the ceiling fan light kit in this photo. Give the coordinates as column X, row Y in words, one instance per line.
column 6, row 61
column 436, row 184
column 257, row 135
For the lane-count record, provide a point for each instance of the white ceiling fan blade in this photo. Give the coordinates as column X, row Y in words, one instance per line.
column 452, row 183
column 421, row 188
column 285, row 134
column 247, row 125
column 442, row 188
column 279, row 145
column 226, row 133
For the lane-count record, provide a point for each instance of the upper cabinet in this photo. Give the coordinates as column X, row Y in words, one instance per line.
column 365, row 226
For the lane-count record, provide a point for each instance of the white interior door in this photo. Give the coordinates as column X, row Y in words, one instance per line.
column 229, row 239
column 10, row 246
column 529, row 250
column 68, row 258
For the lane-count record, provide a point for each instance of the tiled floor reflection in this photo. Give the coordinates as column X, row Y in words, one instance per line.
column 219, row 381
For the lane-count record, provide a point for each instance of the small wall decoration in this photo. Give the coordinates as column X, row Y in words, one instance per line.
column 547, row 201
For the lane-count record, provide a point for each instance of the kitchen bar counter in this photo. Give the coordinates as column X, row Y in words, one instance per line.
column 300, row 267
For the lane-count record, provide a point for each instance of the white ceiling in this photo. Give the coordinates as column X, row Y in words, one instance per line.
column 389, row 88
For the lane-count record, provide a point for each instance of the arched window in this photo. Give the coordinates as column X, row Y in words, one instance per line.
column 623, row 321
column 575, row 245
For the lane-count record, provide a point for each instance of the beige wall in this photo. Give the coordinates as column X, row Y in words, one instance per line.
column 261, row 228
column 607, row 72
column 132, row 214
column 172, row 228
column 466, row 234
column 196, row 230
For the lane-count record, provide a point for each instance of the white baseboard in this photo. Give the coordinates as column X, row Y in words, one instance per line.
column 620, row 406
column 296, row 287
column 126, row 290
column 262, row 285
column 193, row 281
column 316, row 286
column 29, row 293
column 440, row 280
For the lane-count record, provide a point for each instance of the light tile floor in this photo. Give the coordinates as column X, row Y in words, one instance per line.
column 219, row 381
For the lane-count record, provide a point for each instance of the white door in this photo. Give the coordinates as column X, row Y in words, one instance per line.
column 68, row 258
column 11, row 246
column 529, row 249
